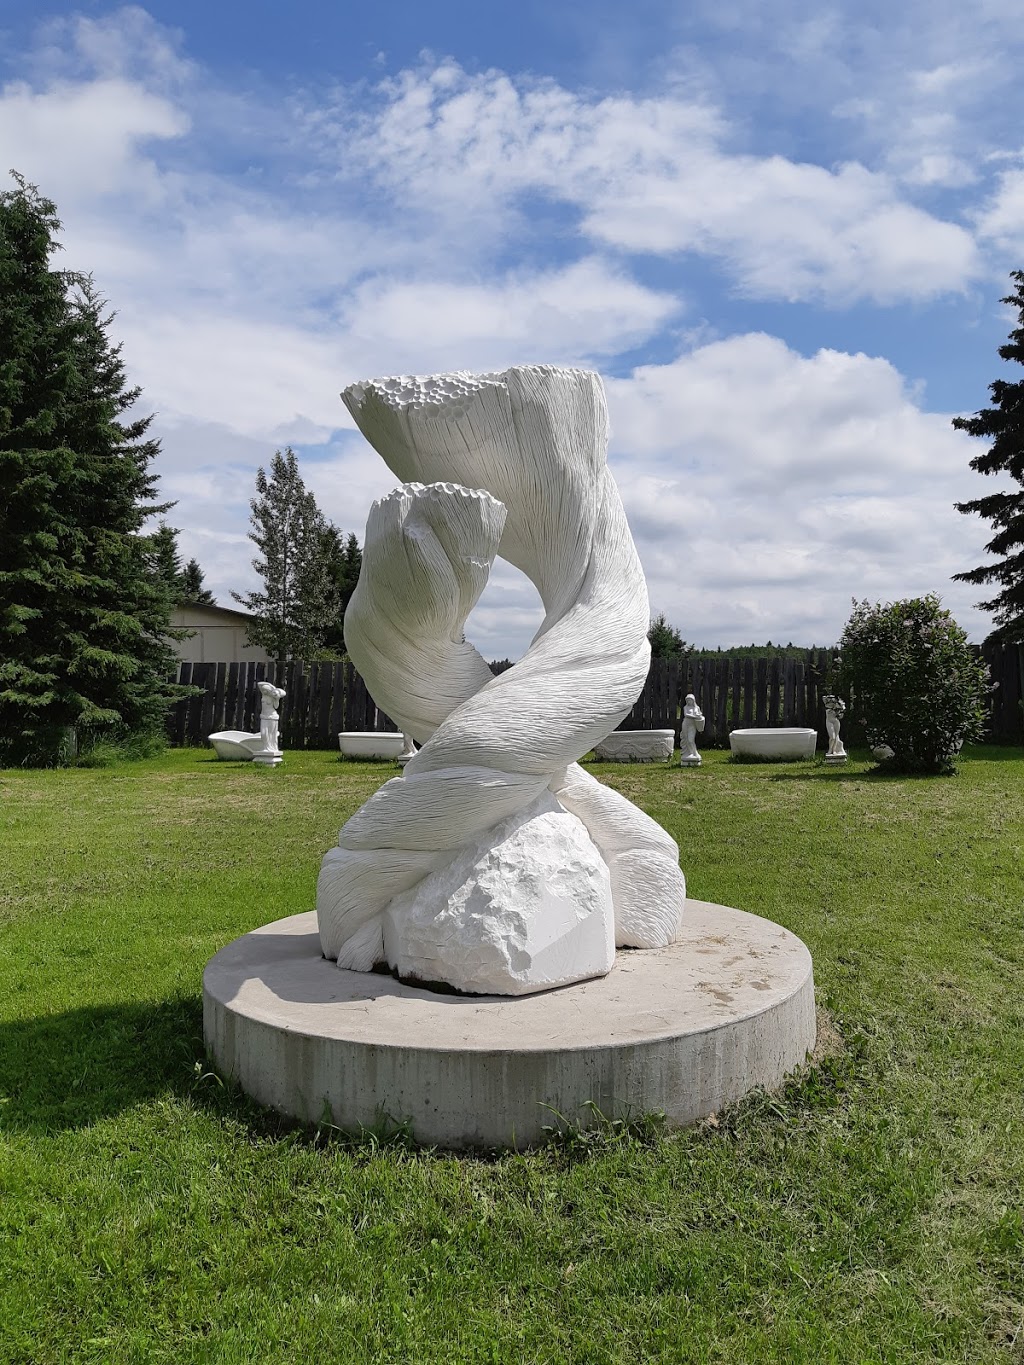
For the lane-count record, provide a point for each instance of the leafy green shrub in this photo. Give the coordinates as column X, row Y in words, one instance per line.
column 916, row 684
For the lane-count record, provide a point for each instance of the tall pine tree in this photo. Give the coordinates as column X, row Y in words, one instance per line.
column 344, row 560
column 666, row 642
column 1003, row 425
column 83, row 622
column 298, row 601
column 165, row 560
column 192, row 590
column 184, row 584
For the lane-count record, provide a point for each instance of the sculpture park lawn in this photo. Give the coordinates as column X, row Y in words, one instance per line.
column 871, row 1211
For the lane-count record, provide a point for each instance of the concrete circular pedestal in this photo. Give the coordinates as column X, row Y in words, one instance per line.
column 680, row 1030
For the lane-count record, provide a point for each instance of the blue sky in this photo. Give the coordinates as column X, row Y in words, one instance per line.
column 780, row 231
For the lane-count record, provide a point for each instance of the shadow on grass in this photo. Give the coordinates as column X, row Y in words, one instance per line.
column 977, row 753
column 68, row 1070
column 845, row 775
column 64, row 1072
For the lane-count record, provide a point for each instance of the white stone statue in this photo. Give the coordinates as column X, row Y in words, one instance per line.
column 692, row 724
column 269, row 752
column 496, row 863
column 408, row 749
column 835, row 709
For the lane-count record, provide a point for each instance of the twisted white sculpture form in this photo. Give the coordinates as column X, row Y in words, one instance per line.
column 515, row 464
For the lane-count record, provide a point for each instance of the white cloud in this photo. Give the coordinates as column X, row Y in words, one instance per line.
column 766, row 488
column 920, row 90
column 124, row 42
column 655, row 175
column 1001, row 218
column 588, row 308
column 86, row 137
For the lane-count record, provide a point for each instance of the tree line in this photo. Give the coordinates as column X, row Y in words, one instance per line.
column 87, row 591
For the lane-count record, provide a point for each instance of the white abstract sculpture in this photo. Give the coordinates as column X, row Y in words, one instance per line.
column 835, row 709
column 496, row 863
column 693, row 721
column 269, row 752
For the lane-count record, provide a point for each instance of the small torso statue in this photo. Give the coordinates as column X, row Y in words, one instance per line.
column 835, row 709
column 693, row 722
column 269, row 717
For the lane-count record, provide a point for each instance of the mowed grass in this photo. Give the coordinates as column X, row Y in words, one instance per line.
column 870, row 1211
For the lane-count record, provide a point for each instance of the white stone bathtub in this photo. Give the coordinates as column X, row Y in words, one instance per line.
column 779, row 742
column 371, row 743
column 236, row 744
column 636, row 746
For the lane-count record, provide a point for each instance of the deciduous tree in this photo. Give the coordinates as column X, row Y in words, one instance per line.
column 917, row 686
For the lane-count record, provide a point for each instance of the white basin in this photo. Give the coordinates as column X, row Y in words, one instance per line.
column 779, row 742
column 636, row 746
column 237, row 744
column 371, row 743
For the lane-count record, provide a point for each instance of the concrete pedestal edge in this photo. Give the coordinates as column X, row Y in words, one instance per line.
column 482, row 1097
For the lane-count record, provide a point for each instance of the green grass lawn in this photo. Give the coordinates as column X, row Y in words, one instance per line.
column 872, row 1211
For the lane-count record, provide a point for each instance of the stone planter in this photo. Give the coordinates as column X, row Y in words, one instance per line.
column 636, row 746
column 371, row 743
column 782, row 743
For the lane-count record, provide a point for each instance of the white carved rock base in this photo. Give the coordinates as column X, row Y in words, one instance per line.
column 525, row 908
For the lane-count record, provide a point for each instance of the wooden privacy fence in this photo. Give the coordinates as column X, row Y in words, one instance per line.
column 733, row 693
column 321, row 699
column 1006, row 673
column 738, row 693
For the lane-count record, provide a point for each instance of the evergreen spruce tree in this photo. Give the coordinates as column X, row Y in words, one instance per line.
column 184, row 585
column 192, row 590
column 83, row 622
column 1003, row 425
column 666, row 641
column 299, row 600
column 344, row 560
column 164, row 559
